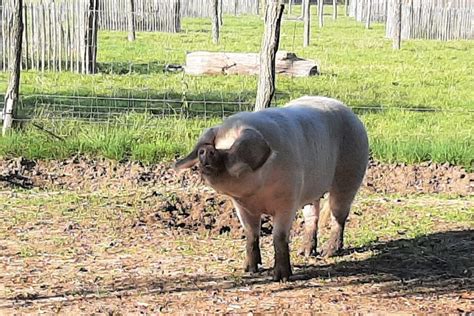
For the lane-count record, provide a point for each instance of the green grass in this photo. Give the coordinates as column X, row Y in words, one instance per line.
column 394, row 137
column 135, row 137
column 358, row 66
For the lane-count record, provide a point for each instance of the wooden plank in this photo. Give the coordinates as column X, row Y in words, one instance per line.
column 397, row 34
column 48, row 35
column 307, row 22
column 54, row 25
column 4, row 37
column 60, row 36
column 25, row 37
column 321, row 13
column 43, row 36
column 33, row 29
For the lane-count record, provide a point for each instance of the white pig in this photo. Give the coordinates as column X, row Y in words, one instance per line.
column 276, row 161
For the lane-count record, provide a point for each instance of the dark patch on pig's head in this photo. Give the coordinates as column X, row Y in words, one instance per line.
column 211, row 160
column 248, row 153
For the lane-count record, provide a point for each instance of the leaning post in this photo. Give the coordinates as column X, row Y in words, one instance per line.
column 12, row 93
column 270, row 43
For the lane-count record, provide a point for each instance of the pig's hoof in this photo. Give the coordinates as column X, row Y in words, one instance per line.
column 281, row 274
column 252, row 265
column 307, row 251
column 251, row 269
column 331, row 249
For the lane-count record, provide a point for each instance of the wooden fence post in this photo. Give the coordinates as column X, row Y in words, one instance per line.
column 307, row 22
column 131, row 20
column 346, row 7
column 11, row 95
column 177, row 16
column 303, row 12
column 334, row 9
column 263, row 4
column 219, row 9
column 369, row 12
column 321, row 13
column 270, row 42
column 90, row 54
column 397, row 32
column 215, row 20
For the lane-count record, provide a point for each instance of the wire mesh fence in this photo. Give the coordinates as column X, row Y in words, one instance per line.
column 107, row 109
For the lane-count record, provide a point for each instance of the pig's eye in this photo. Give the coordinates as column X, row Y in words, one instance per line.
column 201, row 152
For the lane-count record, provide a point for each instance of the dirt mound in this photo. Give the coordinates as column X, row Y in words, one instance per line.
column 80, row 173
column 184, row 202
column 206, row 212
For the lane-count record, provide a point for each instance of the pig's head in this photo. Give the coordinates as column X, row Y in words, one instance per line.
column 228, row 158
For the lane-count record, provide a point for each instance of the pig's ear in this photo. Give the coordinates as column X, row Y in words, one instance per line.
column 249, row 152
column 207, row 138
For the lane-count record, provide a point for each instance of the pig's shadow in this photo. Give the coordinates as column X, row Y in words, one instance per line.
column 436, row 263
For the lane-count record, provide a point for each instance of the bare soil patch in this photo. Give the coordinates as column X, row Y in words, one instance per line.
column 94, row 236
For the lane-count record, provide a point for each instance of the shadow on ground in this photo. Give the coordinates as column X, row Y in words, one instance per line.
column 434, row 264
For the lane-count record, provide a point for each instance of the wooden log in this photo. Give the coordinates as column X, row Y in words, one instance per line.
column 218, row 63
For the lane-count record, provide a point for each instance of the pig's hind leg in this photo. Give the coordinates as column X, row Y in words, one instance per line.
column 310, row 237
column 347, row 180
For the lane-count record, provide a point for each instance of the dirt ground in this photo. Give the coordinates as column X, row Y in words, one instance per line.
column 100, row 237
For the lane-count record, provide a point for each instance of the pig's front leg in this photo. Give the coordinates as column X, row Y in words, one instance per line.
column 251, row 223
column 281, row 231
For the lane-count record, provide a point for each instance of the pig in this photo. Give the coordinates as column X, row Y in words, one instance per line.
column 278, row 160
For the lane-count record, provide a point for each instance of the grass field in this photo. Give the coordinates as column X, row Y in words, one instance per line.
column 358, row 66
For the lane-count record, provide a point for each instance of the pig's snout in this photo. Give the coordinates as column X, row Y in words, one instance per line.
column 210, row 160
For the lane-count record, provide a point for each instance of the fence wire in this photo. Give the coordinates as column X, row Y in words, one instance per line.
column 109, row 109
